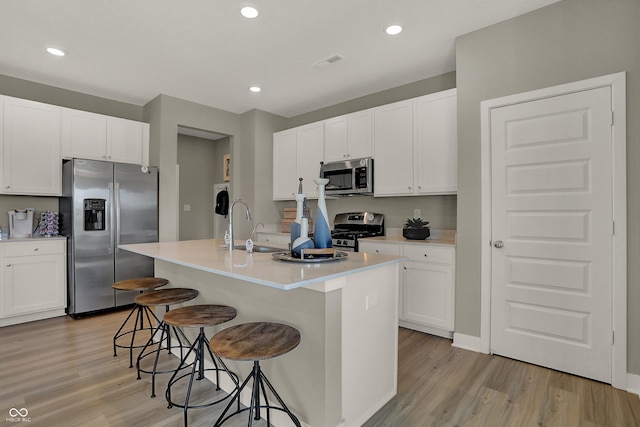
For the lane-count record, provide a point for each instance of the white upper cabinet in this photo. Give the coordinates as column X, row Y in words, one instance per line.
column 393, row 149
column 413, row 142
column 30, row 148
column 310, row 153
column 285, row 172
column 415, row 146
column 297, row 153
column 98, row 137
column 349, row 136
column 436, row 143
column 84, row 135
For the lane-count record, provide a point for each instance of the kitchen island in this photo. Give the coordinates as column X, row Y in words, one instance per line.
column 345, row 367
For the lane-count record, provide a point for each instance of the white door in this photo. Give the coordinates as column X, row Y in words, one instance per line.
column 551, row 291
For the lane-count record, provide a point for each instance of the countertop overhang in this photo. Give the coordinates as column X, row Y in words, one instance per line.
column 261, row 268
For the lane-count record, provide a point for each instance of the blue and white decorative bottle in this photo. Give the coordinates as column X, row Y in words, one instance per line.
column 321, row 230
column 302, row 242
column 295, row 225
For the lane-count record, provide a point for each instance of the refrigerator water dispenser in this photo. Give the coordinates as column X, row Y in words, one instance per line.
column 94, row 214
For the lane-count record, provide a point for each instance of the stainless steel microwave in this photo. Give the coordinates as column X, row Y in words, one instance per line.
column 349, row 177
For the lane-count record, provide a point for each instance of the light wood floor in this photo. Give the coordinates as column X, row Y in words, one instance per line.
column 62, row 370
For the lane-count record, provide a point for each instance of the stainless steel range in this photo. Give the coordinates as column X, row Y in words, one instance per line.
column 349, row 227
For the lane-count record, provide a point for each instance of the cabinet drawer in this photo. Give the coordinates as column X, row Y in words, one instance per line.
column 429, row 254
column 33, row 248
column 379, row 248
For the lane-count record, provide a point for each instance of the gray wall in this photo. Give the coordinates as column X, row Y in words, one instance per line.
column 567, row 41
column 250, row 136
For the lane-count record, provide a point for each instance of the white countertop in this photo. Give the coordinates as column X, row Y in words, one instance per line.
column 261, row 268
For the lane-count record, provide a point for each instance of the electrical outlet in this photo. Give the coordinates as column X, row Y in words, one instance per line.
column 187, row 208
column 371, row 301
column 417, row 213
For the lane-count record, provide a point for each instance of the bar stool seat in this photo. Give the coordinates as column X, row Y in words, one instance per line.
column 162, row 297
column 140, row 284
column 198, row 316
column 254, row 342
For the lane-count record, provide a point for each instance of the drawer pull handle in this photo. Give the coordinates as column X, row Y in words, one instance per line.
column 8, row 265
column 35, row 250
column 426, row 255
column 377, row 251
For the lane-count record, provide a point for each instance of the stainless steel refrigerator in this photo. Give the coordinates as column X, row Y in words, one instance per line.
column 106, row 204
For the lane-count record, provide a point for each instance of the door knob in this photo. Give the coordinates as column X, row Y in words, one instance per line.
column 498, row 244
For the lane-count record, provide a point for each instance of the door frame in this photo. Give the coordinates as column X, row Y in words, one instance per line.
column 617, row 82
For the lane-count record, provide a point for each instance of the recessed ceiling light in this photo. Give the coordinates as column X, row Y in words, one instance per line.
column 54, row 51
column 393, row 29
column 249, row 12
column 255, row 89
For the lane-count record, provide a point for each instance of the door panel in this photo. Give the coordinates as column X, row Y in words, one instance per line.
column 92, row 250
column 136, row 195
column 552, row 209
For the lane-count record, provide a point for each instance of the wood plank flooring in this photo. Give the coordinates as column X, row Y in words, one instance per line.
column 63, row 371
column 439, row 385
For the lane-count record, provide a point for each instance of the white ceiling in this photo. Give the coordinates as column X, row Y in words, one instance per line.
column 206, row 52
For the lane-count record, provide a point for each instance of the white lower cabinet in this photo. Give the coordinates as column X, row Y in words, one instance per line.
column 426, row 300
column 33, row 280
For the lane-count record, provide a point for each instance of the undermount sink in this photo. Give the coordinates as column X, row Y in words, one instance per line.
column 259, row 248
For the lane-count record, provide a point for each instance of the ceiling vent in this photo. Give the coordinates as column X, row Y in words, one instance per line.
column 323, row 63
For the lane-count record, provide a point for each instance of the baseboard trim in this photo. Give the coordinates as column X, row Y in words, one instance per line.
column 467, row 342
column 633, row 383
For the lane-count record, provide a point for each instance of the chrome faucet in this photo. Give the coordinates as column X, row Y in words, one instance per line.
column 247, row 213
column 253, row 233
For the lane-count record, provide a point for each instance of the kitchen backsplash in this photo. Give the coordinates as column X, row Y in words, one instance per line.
column 440, row 211
column 21, row 202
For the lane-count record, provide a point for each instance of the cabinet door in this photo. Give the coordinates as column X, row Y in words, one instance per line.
column 335, row 139
column 33, row 283
column 31, row 148
column 84, row 135
column 427, row 294
column 285, row 172
column 393, row 149
column 360, row 134
column 126, row 140
column 436, row 143
column 310, row 152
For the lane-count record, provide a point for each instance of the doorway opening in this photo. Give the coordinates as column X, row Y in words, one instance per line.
column 201, row 160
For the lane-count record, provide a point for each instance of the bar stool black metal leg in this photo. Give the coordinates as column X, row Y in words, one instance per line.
column 117, row 335
column 236, row 397
column 259, row 380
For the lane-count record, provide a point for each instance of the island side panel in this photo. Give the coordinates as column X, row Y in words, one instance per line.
column 369, row 342
column 307, row 378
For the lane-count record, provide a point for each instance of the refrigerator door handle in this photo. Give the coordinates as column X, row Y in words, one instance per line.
column 117, row 209
column 110, row 221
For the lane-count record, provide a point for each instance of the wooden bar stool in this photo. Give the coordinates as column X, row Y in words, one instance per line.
column 198, row 316
column 142, row 312
column 166, row 297
column 254, row 342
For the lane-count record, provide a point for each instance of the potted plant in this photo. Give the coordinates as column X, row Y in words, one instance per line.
column 416, row 229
